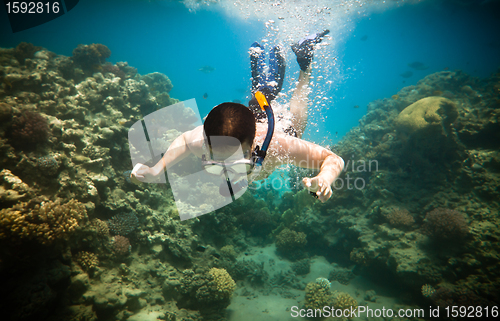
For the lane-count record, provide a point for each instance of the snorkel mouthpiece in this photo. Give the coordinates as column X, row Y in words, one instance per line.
column 261, row 99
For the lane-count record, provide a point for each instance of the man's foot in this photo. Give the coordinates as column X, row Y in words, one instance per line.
column 276, row 74
column 305, row 47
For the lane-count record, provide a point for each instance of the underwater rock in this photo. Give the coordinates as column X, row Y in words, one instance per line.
column 79, row 285
column 12, row 188
column 25, row 50
column 5, row 112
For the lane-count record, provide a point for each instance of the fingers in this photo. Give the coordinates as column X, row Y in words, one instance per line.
column 322, row 190
column 325, row 195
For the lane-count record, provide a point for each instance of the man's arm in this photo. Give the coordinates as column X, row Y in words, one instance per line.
column 309, row 155
column 177, row 151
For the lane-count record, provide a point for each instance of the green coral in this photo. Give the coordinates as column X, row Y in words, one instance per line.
column 220, row 286
column 228, row 252
column 289, row 241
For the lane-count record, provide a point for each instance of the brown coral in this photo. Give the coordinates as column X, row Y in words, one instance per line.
column 445, row 224
column 44, row 223
column 343, row 301
column 121, row 245
column 400, row 218
column 317, row 296
column 100, row 227
column 87, row 260
column 91, row 56
column 30, row 128
column 25, row 50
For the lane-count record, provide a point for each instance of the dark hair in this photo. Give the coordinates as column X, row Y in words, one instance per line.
column 231, row 119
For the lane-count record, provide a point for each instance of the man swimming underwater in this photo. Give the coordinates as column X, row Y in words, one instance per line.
column 263, row 150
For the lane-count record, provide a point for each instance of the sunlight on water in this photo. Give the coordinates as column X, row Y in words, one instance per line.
column 286, row 22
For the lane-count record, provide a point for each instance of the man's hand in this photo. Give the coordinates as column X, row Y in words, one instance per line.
column 319, row 186
column 141, row 174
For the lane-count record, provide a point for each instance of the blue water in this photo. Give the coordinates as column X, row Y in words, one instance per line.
column 373, row 49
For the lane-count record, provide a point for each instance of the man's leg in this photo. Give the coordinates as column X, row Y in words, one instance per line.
column 299, row 103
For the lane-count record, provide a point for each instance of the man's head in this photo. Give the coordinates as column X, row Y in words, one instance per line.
column 233, row 120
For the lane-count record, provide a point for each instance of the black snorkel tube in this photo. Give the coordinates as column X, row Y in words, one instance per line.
column 258, row 154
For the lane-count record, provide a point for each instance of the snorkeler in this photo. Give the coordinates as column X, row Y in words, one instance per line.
column 263, row 150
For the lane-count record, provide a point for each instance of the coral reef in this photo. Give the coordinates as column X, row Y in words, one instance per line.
column 219, row 287
column 427, row 113
column 301, row 267
column 288, row 242
column 25, row 50
column 317, row 296
column 249, row 270
column 81, row 114
column 29, row 129
column 100, row 227
column 443, row 155
column 91, row 56
column 228, row 252
column 87, row 260
column 115, row 70
column 324, row 283
column 341, row 275
column 428, row 290
column 345, row 302
column 400, row 218
column 208, row 292
column 123, row 224
column 445, row 224
column 48, row 164
column 45, row 223
column 121, row 245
